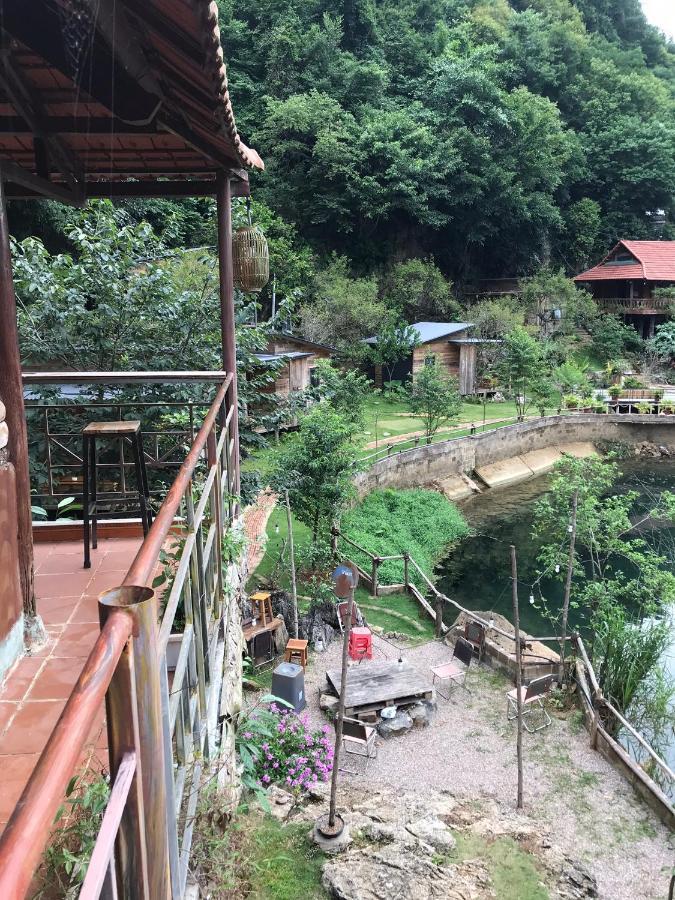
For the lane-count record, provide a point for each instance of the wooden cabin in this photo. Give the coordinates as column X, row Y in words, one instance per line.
column 294, row 360
column 624, row 282
column 447, row 344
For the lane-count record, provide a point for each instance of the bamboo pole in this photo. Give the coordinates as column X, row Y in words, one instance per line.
column 568, row 589
column 291, row 547
column 519, row 698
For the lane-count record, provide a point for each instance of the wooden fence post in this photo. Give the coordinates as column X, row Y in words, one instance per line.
column 374, row 574
column 406, row 571
column 334, row 532
column 439, row 617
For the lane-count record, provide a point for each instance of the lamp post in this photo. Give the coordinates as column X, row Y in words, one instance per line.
column 345, row 579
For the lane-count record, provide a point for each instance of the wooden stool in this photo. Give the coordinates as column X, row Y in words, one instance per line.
column 123, row 430
column 261, row 607
column 296, row 652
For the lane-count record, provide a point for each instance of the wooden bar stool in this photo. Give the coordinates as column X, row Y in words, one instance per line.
column 296, row 652
column 122, row 430
column 261, row 607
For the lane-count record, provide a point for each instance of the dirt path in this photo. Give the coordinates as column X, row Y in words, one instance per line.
column 409, row 435
column 469, row 750
column 255, row 526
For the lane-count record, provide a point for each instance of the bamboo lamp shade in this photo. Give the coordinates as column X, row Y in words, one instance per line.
column 250, row 259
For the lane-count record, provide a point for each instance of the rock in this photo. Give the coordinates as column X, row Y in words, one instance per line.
column 664, row 451
column 385, row 833
column 395, row 872
column 400, row 724
column 498, row 397
column 433, row 832
column 280, row 801
column 422, row 713
column 329, row 704
column 576, row 881
column 280, row 639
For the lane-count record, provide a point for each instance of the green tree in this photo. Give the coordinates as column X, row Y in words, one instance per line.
column 419, row 292
column 434, row 397
column 663, row 342
column 316, row 466
column 522, row 366
column 394, row 341
column 344, row 391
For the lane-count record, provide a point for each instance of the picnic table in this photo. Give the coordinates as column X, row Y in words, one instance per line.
column 373, row 685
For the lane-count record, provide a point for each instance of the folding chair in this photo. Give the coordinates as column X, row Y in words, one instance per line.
column 342, row 609
column 474, row 633
column 361, row 738
column 262, row 647
column 532, row 702
column 456, row 670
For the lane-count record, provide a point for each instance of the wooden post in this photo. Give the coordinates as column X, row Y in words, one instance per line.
column 11, row 394
column 568, row 589
column 340, row 711
column 439, row 617
column 334, row 533
column 373, row 574
column 406, row 570
column 519, row 680
column 227, row 320
column 294, row 589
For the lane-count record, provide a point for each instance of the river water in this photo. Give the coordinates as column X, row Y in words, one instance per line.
column 478, row 572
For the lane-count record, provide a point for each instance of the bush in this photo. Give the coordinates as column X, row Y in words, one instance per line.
column 278, row 746
column 389, row 522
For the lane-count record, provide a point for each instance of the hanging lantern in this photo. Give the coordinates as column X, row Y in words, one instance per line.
column 250, row 257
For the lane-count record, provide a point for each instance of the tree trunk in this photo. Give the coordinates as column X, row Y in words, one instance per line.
column 568, row 589
column 291, row 547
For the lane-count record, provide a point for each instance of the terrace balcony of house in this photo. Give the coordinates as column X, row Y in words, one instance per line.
column 639, row 306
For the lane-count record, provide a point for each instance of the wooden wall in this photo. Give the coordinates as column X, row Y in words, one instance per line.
column 447, row 356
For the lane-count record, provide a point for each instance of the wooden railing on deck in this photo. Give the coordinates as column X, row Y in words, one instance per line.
column 138, row 853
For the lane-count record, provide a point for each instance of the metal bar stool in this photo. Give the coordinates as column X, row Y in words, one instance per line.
column 122, row 430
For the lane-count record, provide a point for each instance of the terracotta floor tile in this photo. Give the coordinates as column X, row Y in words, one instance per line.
column 62, row 564
column 86, row 611
column 57, row 679
column 106, row 581
column 57, row 610
column 116, row 560
column 31, row 727
column 20, row 678
column 16, row 770
column 63, row 585
column 7, row 710
column 76, row 641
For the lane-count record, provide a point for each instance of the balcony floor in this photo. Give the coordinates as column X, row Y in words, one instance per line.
column 35, row 691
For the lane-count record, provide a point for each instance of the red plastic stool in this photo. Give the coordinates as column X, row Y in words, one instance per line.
column 360, row 643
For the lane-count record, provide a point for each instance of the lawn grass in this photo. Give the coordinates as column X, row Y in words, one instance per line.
column 514, row 873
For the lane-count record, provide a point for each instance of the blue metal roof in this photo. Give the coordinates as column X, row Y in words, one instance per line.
column 432, row 331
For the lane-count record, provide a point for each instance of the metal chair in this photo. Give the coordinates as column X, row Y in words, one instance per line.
column 457, row 669
column 532, row 697
column 474, row 633
column 361, row 739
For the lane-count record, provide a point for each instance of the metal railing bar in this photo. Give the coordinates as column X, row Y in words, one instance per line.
column 179, row 674
column 190, row 813
column 29, row 827
column 204, row 499
column 143, row 565
column 171, row 811
column 175, row 593
column 150, row 377
column 105, row 841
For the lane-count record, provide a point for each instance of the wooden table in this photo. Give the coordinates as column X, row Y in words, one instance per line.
column 373, row 685
column 251, row 630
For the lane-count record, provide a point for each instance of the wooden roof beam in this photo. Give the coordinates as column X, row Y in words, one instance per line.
column 37, row 186
column 28, row 105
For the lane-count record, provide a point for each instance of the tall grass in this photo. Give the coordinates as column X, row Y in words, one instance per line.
column 387, row 522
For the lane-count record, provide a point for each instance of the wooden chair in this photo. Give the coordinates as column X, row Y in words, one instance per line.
column 533, row 703
column 456, row 670
column 474, row 633
column 358, row 739
column 296, row 652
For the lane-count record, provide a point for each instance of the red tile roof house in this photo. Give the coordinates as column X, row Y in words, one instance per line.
column 625, row 280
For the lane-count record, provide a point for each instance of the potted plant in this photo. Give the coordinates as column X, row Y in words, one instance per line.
column 599, row 406
column 571, row 401
column 615, row 392
column 644, row 409
column 658, row 394
column 667, row 409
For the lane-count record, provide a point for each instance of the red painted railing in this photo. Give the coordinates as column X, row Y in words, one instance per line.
column 136, row 854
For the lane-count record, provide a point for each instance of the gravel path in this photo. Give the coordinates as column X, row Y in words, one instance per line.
column 470, row 750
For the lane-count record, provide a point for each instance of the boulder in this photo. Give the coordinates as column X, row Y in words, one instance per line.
column 280, row 801
column 433, row 832
column 328, row 703
column 576, row 882
column 400, row 724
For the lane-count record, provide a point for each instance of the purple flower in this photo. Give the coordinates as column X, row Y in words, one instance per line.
column 248, row 735
column 266, row 779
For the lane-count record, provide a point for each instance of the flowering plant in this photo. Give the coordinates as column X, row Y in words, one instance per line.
column 276, row 745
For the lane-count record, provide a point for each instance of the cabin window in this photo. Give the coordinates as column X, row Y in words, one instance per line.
column 313, row 377
column 430, row 360
column 622, row 258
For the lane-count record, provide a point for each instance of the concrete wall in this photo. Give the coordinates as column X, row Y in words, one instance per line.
column 433, row 462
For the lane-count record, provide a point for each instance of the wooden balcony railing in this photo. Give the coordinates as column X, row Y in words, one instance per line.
column 158, row 739
column 637, row 305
